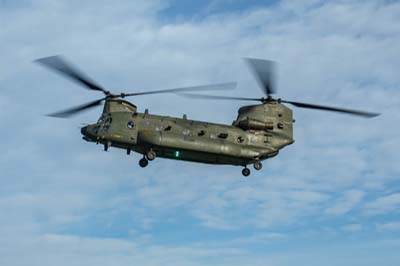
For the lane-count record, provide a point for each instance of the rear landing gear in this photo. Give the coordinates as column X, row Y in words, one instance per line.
column 143, row 162
column 257, row 165
column 246, row 171
column 148, row 156
column 151, row 155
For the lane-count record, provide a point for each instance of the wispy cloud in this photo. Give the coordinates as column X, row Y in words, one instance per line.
column 390, row 226
column 346, row 203
column 383, row 205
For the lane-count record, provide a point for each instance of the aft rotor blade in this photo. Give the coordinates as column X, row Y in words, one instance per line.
column 75, row 110
column 220, row 86
column 216, row 97
column 265, row 73
column 333, row 109
column 58, row 64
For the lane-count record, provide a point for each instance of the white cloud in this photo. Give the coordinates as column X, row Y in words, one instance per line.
column 341, row 52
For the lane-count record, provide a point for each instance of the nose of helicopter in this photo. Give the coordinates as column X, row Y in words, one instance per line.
column 86, row 133
column 84, row 130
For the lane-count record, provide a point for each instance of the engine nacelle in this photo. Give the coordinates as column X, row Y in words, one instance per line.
column 270, row 117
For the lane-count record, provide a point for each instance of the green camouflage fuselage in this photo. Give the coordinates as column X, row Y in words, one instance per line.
column 259, row 132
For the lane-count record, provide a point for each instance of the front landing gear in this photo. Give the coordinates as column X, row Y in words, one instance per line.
column 143, row 162
column 246, row 171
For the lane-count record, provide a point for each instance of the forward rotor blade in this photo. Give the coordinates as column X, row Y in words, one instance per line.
column 216, row 97
column 220, row 86
column 74, row 110
column 58, row 64
column 333, row 109
column 265, row 73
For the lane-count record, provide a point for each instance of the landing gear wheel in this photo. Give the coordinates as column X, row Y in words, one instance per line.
column 257, row 165
column 246, row 171
column 143, row 162
column 151, row 155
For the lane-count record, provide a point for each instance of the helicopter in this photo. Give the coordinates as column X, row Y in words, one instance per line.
column 259, row 132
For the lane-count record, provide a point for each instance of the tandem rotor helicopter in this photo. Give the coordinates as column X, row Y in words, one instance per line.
column 258, row 133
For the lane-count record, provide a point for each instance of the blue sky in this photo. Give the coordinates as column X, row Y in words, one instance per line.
column 332, row 198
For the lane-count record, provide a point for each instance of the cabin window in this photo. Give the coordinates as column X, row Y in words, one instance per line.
column 130, row 125
column 240, row 139
column 201, row 133
column 223, row 135
column 168, row 128
column 280, row 125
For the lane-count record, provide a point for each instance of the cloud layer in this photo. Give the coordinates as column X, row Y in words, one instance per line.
column 65, row 201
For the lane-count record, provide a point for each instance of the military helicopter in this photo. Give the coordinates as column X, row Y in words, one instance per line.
column 258, row 133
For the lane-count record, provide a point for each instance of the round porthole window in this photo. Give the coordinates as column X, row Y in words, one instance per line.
column 130, row 125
